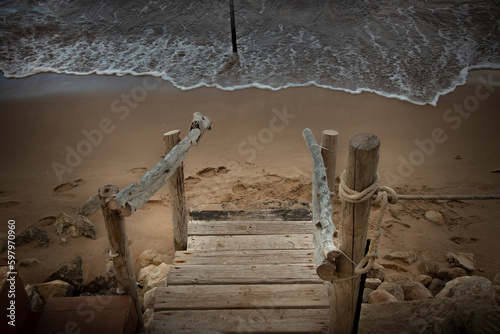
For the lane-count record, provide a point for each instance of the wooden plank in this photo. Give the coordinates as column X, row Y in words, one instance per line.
column 249, row 227
column 213, row 297
column 292, row 241
column 265, row 211
column 242, row 321
column 243, row 274
column 254, row 256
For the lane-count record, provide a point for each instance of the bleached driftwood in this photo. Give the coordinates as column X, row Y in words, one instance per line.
column 137, row 194
column 325, row 250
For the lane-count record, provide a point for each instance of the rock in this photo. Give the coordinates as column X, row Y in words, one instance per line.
column 29, row 262
column 70, row 272
column 497, row 291
column 462, row 260
column 448, row 274
column 153, row 276
column 394, row 289
column 376, row 272
column 416, row 291
column 102, row 283
column 36, row 301
column 435, row 217
column 428, row 267
column 74, row 226
column 381, row 296
column 366, row 293
column 149, row 298
column 403, row 256
column 467, row 314
column 396, row 278
column 393, row 266
column 56, row 288
column 496, row 280
column 467, row 285
column 436, row 286
column 372, row 283
column 33, row 234
column 147, row 317
column 424, row 279
column 150, row 256
column 90, row 206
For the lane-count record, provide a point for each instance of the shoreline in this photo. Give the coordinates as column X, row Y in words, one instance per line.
column 46, row 83
column 257, row 138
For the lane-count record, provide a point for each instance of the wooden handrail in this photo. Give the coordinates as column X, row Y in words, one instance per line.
column 325, row 250
column 137, row 194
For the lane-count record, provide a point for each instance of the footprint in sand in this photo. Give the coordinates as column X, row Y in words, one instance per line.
column 464, row 240
column 46, row 221
column 239, row 189
column 192, row 180
column 138, row 170
column 67, row 186
column 211, row 171
column 8, row 204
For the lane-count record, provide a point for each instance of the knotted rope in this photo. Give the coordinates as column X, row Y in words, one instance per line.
column 381, row 195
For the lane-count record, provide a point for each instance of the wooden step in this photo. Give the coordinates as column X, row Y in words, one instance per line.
column 243, row 274
column 241, row 242
column 213, row 297
column 255, row 256
column 265, row 211
column 196, row 227
column 241, row 321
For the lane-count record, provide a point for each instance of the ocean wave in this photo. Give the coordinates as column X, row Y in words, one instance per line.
column 411, row 50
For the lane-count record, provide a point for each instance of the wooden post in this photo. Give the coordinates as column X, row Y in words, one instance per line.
column 120, row 251
column 177, row 195
column 233, row 27
column 329, row 154
column 360, row 173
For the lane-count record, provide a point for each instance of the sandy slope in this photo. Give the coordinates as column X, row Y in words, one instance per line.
column 255, row 152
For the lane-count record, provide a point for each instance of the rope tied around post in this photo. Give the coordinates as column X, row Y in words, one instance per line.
column 381, row 195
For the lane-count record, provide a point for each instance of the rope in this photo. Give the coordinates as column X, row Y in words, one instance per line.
column 384, row 195
column 448, row 197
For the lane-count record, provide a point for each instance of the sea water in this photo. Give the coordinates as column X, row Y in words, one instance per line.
column 414, row 50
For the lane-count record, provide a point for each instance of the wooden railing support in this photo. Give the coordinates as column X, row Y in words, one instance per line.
column 120, row 251
column 325, row 250
column 177, row 195
column 329, row 154
column 360, row 173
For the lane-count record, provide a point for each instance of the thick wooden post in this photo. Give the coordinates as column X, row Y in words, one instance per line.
column 360, row 173
column 120, row 251
column 177, row 195
column 329, row 154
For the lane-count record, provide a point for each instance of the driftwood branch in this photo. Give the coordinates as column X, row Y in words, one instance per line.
column 325, row 250
column 137, row 194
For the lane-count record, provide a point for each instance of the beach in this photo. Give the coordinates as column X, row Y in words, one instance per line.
column 96, row 130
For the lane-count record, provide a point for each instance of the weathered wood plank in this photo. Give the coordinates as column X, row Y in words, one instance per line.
column 292, row 241
column 242, row 321
column 254, row 256
column 213, row 297
column 242, row 274
column 249, row 227
column 289, row 211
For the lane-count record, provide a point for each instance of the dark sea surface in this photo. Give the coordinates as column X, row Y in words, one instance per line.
column 411, row 50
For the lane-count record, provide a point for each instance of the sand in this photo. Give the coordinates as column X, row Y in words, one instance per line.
column 255, row 152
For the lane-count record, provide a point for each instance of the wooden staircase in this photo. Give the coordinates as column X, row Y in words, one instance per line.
column 244, row 276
